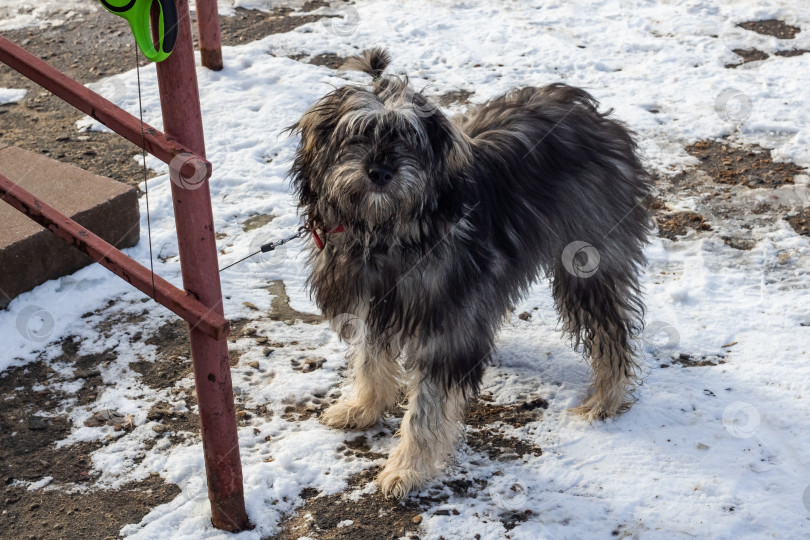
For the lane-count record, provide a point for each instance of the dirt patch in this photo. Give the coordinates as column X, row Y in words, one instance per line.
column 512, row 519
column 29, row 431
column 771, row 27
column 800, row 222
column 739, row 242
column 308, row 365
column 248, row 25
column 358, row 447
column 330, row 60
column 172, row 363
column 792, row 52
column 461, row 97
column 256, row 222
column 483, row 412
column 108, row 325
column 748, row 55
column 32, row 421
column 280, row 309
column 87, row 368
column 695, row 360
column 52, row 514
column 751, row 166
column 673, row 225
column 244, row 328
column 372, row 516
column 738, row 189
column 305, row 408
column 495, row 444
column 488, row 436
column 172, row 420
column 173, row 356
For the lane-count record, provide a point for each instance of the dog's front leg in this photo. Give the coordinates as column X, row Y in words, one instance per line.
column 430, row 429
column 375, row 379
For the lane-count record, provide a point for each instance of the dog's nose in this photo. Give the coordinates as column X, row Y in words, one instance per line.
column 380, row 174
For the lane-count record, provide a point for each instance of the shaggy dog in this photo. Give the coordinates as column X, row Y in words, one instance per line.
column 429, row 229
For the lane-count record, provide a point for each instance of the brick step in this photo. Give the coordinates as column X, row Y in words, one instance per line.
column 31, row 255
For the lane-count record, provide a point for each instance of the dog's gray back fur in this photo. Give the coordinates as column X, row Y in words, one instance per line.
column 480, row 206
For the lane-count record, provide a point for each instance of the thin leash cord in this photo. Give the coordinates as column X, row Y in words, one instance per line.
column 145, row 174
column 270, row 246
column 240, row 260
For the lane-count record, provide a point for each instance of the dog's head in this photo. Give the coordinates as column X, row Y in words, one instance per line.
column 375, row 158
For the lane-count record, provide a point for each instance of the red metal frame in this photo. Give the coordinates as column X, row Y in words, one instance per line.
column 208, row 33
column 201, row 304
column 166, row 294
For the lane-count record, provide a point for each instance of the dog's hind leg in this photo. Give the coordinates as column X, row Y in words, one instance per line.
column 375, row 375
column 602, row 312
column 430, row 430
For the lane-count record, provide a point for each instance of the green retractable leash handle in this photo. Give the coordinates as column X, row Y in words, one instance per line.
column 136, row 12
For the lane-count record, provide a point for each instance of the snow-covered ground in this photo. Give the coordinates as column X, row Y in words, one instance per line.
column 711, row 452
column 29, row 13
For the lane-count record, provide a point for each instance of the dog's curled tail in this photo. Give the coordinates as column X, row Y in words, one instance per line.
column 373, row 61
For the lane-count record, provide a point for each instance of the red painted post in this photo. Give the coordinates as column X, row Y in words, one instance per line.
column 209, row 35
column 182, row 120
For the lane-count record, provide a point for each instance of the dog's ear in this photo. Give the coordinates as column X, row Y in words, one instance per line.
column 449, row 144
column 373, row 62
column 315, row 128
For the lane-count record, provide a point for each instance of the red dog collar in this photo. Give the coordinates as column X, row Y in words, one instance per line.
column 321, row 241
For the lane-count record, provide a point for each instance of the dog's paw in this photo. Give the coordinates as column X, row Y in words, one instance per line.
column 349, row 415
column 598, row 408
column 396, row 482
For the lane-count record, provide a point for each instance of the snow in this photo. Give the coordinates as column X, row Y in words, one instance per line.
column 28, row 13
column 40, row 483
column 11, row 95
column 717, row 452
